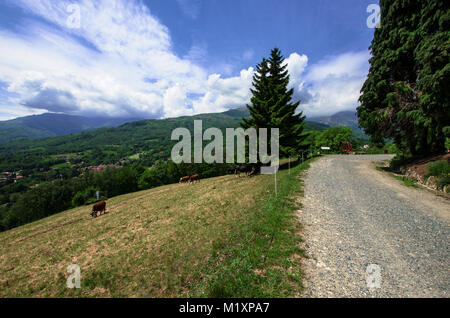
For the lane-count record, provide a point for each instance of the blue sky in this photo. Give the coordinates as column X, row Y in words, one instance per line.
column 166, row 58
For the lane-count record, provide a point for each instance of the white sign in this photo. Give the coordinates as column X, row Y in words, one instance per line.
column 325, row 148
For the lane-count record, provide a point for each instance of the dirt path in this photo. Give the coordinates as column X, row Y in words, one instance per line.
column 358, row 220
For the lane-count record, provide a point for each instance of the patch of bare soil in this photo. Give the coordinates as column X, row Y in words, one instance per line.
column 419, row 169
column 421, row 166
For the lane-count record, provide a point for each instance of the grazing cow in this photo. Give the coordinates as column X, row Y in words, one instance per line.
column 252, row 172
column 99, row 206
column 195, row 177
column 231, row 170
column 242, row 169
column 184, row 179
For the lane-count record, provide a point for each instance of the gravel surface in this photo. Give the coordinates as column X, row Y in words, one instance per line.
column 354, row 216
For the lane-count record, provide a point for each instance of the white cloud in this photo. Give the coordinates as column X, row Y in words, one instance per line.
column 120, row 62
column 196, row 53
column 334, row 83
column 175, row 102
column 296, row 67
column 225, row 93
column 127, row 46
column 350, row 64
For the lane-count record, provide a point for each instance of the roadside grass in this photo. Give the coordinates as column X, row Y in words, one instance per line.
column 263, row 258
column 224, row 236
column 384, row 167
column 441, row 170
column 406, row 181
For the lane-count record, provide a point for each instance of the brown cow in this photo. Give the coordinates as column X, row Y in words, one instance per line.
column 99, row 206
column 195, row 177
column 184, row 179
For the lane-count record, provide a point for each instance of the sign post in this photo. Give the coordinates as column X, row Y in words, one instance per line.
column 276, row 193
column 289, row 164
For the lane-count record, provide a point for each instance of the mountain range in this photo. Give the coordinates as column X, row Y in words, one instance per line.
column 346, row 118
column 52, row 125
column 148, row 140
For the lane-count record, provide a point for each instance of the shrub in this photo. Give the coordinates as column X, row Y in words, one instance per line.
column 439, row 169
column 84, row 197
column 78, row 199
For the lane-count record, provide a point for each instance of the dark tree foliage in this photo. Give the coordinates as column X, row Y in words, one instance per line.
column 406, row 94
column 272, row 106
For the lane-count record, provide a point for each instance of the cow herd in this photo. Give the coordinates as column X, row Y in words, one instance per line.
column 237, row 170
column 190, row 179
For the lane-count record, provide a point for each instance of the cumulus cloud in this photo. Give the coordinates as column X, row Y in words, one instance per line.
column 334, row 83
column 225, row 93
column 329, row 86
column 120, row 62
column 103, row 66
column 176, row 102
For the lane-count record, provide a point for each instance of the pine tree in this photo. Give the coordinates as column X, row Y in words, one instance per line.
column 259, row 108
column 406, row 96
column 272, row 107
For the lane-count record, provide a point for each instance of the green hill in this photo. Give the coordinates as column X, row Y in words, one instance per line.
column 221, row 237
column 50, row 125
column 148, row 140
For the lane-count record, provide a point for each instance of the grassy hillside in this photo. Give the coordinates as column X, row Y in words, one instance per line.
column 223, row 236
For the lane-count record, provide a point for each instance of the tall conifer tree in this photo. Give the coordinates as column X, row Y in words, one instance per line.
column 272, row 106
column 406, row 95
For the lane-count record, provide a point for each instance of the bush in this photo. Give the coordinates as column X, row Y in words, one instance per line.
column 439, row 169
column 398, row 161
column 84, row 197
column 78, row 199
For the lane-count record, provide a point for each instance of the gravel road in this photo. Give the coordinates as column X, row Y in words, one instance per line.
column 354, row 216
